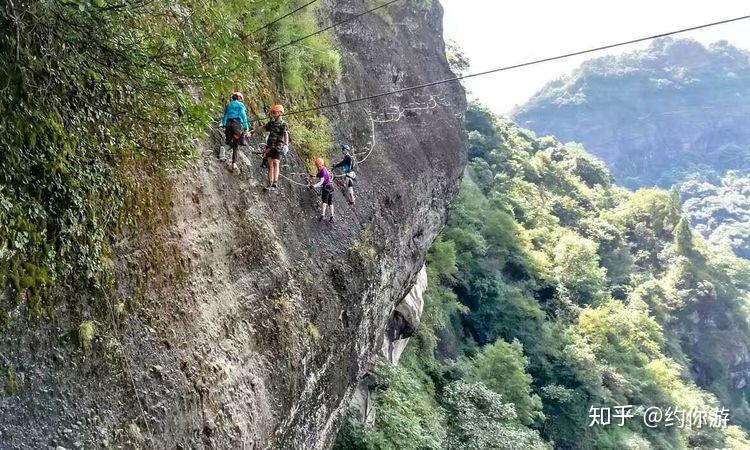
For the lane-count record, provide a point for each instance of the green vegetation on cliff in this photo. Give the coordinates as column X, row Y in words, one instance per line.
column 552, row 290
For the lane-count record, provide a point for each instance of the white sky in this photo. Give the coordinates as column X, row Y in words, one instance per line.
column 497, row 33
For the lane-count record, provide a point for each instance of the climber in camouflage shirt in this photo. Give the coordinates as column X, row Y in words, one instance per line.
column 276, row 145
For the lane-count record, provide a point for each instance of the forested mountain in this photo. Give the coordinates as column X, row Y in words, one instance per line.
column 653, row 115
column 674, row 113
column 719, row 208
column 552, row 290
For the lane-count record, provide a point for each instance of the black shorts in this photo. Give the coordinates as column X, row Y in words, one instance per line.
column 273, row 153
column 327, row 194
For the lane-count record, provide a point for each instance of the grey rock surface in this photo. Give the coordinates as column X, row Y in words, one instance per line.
column 403, row 323
column 404, row 320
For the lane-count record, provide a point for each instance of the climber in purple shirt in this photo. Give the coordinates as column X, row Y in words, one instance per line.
column 326, row 182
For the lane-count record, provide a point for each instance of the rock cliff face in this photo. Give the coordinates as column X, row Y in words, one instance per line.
column 245, row 322
column 404, row 321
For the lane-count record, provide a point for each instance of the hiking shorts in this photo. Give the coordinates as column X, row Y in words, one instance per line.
column 326, row 195
column 274, row 152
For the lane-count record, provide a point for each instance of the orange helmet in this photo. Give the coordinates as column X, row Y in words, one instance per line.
column 319, row 162
column 277, row 108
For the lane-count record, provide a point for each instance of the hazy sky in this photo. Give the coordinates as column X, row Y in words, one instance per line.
column 497, row 33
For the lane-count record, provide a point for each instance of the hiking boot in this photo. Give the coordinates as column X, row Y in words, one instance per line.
column 320, row 218
column 332, row 219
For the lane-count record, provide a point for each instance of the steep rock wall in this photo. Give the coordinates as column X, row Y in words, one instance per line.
column 404, row 322
column 247, row 322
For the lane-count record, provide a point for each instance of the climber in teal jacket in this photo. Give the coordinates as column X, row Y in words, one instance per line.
column 235, row 110
column 235, row 125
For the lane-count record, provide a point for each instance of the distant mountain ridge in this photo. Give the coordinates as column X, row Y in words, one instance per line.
column 675, row 114
column 654, row 116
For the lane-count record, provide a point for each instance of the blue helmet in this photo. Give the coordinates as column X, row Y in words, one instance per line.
column 345, row 148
